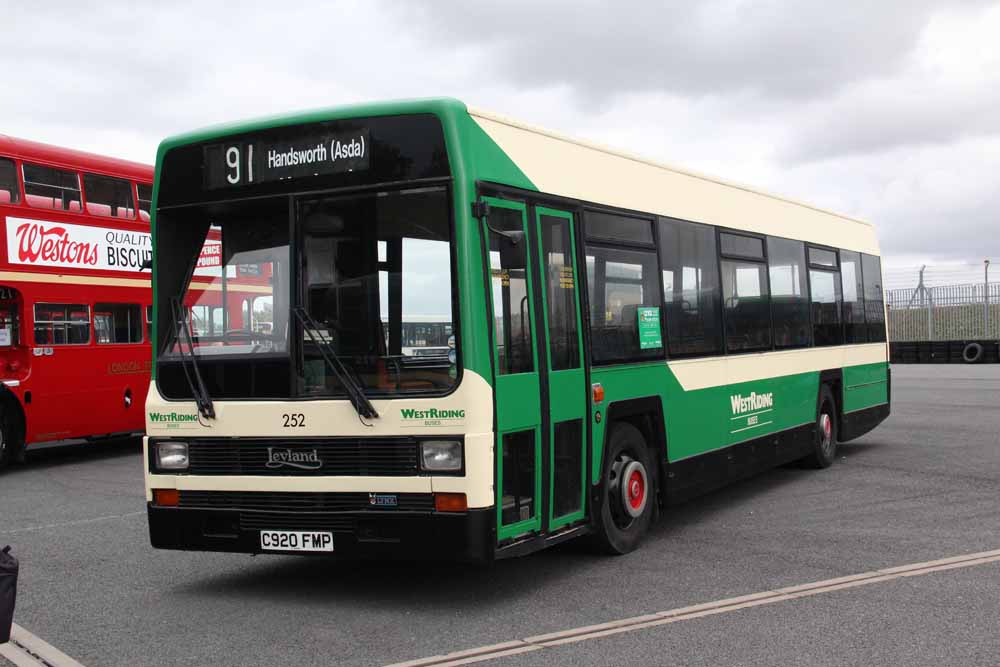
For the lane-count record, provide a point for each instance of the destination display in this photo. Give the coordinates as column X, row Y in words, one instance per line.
column 244, row 163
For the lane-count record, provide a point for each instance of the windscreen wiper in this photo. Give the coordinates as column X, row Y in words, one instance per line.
column 354, row 391
column 198, row 391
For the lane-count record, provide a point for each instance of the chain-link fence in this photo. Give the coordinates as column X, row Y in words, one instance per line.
column 948, row 312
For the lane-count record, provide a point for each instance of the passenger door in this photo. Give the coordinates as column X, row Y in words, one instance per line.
column 565, row 376
column 539, row 374
column 516, row 377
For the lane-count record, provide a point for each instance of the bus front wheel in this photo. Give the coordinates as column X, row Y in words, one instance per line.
column 627, row 493
column 825, row 432
column 11, row 440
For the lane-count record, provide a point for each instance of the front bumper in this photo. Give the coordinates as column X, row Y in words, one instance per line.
column 466, row 536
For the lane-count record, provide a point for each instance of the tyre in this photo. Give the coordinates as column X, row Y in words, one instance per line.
column 825, row 431
column 11, row 440
column 628, row 491
column 973, row 353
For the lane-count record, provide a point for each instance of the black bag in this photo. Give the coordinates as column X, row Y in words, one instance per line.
column 8, row 592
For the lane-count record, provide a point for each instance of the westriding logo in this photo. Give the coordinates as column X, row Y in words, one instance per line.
column 751, row 403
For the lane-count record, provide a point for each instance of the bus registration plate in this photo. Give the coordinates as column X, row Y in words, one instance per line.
column 295, row 540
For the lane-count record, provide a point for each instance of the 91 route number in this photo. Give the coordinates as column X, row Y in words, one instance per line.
column 293, row 420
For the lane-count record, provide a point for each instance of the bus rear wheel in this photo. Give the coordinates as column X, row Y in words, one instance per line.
column 627, row 491
column 825, row 432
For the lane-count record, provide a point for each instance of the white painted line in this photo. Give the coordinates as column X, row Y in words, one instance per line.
column 18, row 655
column 747, row 428
column 48, row 654
column 78, row 522
column 584, row 633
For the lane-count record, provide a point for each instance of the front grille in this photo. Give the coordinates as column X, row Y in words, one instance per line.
column 295, row 521
column 304, row 502
column 340, row 456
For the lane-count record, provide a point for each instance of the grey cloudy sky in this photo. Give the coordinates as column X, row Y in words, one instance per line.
column 889, row 111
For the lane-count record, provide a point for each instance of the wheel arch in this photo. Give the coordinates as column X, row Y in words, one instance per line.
column 646, row 414
column 833, row 378
column 10, row 401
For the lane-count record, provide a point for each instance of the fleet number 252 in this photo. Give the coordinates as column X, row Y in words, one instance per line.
column 293, row 420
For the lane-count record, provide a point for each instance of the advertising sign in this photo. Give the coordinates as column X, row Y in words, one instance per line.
column 649, row 328
column 33, row 242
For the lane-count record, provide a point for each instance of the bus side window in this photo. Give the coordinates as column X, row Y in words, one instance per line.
column 118, row 323
column 745, row 292
column 871, row 269
column 786, row 261
column 692, row 299
column 108, row 196
column 45, row 187
column 620, row 280
column 62, row 324
column 826, row 295
column 8, row 182
column 145, row 200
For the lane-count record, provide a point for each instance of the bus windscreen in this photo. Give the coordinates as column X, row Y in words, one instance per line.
column 364, row 267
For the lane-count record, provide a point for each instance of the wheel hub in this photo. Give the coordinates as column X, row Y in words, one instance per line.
column 634, row 488
column 825, row 431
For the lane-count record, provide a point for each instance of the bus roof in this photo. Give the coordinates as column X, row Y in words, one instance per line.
column 504, row 120
column 441, row 106
column 74, row 159
column 559, row 165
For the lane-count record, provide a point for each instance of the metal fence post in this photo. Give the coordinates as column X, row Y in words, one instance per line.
column 986, row 298
column 930, row 314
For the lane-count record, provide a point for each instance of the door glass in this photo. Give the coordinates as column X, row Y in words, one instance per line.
column 567, row 467
column 560, row 286
column 511, row 306
column 518, row 489
column 8, row 324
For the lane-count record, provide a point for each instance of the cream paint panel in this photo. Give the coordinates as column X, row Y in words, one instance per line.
column 338, row 418
column 66, row 279
column 715, row 371
column 477, row 484
column 569, row 168
column 331, row 418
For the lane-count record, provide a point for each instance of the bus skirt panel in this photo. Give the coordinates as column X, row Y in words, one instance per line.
column 465, row 536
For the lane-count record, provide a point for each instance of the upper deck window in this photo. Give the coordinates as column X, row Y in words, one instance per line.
column 8, row 182
column 111, row 197
column 145, row 200
column 45, row 187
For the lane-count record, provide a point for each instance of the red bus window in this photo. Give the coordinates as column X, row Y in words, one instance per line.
column 8, row 325
column 8, row 182
column 45, row 187
column 145, row 200
column 117, row 323
column 62, row 324
column 110, row 197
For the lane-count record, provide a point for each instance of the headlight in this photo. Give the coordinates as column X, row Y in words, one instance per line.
column 441, row 455
column 172, row 455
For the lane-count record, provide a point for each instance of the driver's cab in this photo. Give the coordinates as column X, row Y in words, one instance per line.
column 14, row 353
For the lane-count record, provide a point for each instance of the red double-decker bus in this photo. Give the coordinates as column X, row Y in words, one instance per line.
column 74, row 305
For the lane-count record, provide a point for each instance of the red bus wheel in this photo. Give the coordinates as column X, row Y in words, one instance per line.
column 11, row 434
column 627, row 493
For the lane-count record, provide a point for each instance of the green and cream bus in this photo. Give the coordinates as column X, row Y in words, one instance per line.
column 621, row 335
